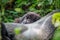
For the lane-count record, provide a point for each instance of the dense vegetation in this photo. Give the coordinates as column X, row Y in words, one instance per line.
column 10, row 9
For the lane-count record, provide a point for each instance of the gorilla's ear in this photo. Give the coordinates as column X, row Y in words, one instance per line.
column 18, row 20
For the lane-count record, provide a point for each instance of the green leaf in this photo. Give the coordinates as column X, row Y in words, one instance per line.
column 56, row 35
column 4, row 1
column 17, row 31
column 19, row 10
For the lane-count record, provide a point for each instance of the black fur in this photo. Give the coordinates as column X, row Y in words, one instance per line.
column 29, row 17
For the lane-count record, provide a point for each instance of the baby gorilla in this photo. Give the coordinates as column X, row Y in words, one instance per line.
column 30, row 17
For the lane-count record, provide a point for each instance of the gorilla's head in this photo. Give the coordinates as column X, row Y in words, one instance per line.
column 29, row 17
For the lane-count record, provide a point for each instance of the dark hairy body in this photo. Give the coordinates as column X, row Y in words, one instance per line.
column 42, row 29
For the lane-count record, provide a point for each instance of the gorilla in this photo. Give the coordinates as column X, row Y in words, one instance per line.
column 42, row 29
column 29, row 17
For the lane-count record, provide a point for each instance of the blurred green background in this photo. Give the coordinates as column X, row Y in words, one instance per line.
column 11, row 9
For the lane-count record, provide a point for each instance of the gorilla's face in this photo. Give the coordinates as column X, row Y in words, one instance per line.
column 27, row 21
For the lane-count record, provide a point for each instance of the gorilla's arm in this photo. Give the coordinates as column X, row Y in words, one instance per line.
column 7, row 30
column 51, row 13
column 34, row 30
column 4, row 33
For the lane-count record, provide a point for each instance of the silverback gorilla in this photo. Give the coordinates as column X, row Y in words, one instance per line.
column 42, row 29
column 29, row 17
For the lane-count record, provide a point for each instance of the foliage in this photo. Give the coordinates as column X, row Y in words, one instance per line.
column 56, row 22
column 17, row 31
column 10, row 9
column 56, row 35
column 56, row 19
